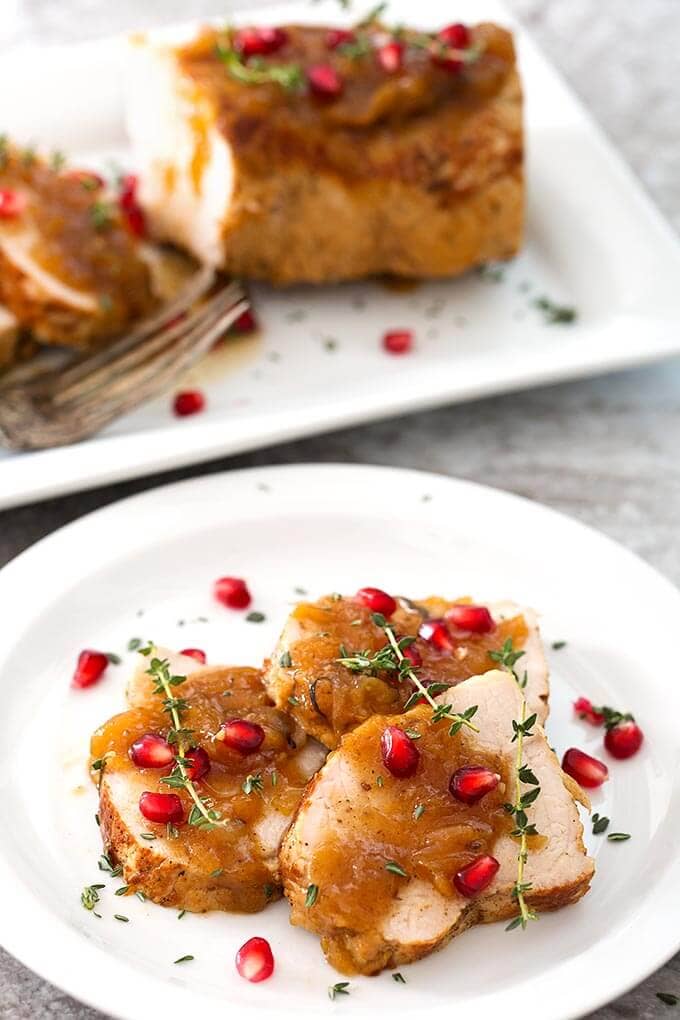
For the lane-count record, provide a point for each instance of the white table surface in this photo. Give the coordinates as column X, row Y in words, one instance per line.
column 606, row 451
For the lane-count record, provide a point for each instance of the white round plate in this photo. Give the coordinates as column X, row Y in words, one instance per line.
column 144, row 567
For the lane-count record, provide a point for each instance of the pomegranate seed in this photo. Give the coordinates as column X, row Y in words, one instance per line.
column 584, row 709
column 399, row 753
column 241, row 735
column 472, row 782
column 12, row 203
column 475, row 877
column 338, row 37
column 161, row 807
column 450, row 64
column 129, row 206
column 476, row 619
column 413, row 655
column 232, row 592
column 195, row 653
column 136, row 221
column 456, row 37
column 398, row 341
column 199, row 763
column 585, row 770
column 376, row 600
column 89, row 669
column 624, row 739
column 258, row 42
column 391, row 56
column 255, row 960
column 436, row 633
column 246, row 323
column 188, row 402
column 87, row 178
column 152, row 751
column 324, row 81
column 127, row 191
column 452, row 38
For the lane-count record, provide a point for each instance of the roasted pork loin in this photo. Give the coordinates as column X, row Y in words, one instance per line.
column 294, row 156
column 71, row 270
column 232, row 867
column 380, row 851
column 327, row 698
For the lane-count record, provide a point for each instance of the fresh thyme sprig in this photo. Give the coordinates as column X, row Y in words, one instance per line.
column 523, row 827
column 391, row 658
column 202, row 816
column 258, row 72
column 506, row 659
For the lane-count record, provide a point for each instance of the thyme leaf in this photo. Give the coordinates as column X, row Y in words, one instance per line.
column 258, row 72
column 90, row 896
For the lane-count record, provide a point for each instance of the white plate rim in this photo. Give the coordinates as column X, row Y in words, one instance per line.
column 81, row 972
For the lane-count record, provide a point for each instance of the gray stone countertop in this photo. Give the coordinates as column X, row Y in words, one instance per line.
column 605, row 450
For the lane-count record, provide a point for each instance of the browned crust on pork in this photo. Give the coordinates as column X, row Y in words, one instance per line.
column 433, row 210
column 498, row 907
column 165, row 881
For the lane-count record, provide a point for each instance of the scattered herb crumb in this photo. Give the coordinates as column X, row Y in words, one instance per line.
column 379, row 781
column 555, row 313
column 399, row 978
column 105, row 864
column 600, row 824
column 312, row 895
column 122, row 917
column 491, row 271
column 300, row 591
column 418, row 811
column 285, row 660
column 667, row 998
column 122, row 891
column 133, row 644
column 395, row 869
column 181, row 915
column 252, row 784
column 556, row 645
column 216, row 873
column 341, row 988
column 256, row 617
column 113, row 658
column 140, row 896
column 148, row 835
column 293, row 700
column 618, row 837
column 183, row 959
column 90, row 896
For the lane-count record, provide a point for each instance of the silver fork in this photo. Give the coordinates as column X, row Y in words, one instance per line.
column 44, row 406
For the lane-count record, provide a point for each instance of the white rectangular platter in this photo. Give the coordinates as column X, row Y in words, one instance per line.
column 594, row 241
